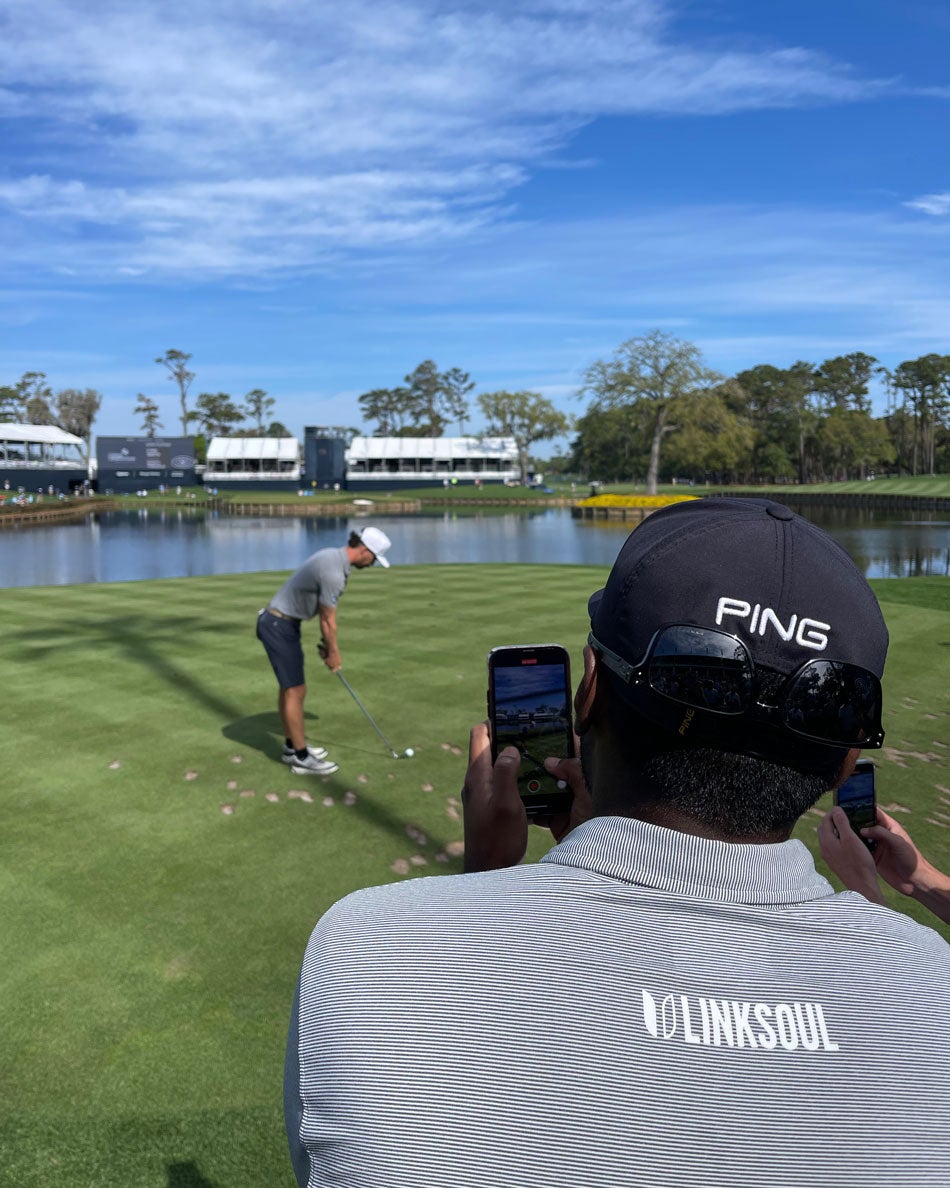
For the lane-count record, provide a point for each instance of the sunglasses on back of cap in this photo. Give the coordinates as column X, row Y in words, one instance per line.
column 825, row 701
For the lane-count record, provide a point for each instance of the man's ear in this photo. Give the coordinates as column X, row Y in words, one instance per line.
column 586, row 696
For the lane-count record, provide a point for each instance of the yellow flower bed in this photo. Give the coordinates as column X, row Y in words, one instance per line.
column 633, row 500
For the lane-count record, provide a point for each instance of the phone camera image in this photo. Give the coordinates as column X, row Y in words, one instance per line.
column 857, row 796
column 529, row 700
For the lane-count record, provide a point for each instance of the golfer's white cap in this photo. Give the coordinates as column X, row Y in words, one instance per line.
column 378, row 543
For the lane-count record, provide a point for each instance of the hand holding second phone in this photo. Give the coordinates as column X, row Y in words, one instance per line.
column 898, row 860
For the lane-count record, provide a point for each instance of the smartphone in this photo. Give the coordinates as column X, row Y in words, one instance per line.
column 856, row 796
column 529, row 707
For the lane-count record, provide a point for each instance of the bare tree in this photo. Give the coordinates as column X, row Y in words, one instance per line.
column 147, row 409
column 177, row 364
column 257, row 407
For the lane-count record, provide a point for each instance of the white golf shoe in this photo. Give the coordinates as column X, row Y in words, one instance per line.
column 312, row 766
column 289, row 755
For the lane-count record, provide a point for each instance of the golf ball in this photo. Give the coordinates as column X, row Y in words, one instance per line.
column 409, row 752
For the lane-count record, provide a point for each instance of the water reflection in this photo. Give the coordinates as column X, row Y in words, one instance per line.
column 888, row 544
column 126, row 546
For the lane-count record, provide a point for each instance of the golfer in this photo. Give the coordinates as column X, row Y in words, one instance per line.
column 313, row 590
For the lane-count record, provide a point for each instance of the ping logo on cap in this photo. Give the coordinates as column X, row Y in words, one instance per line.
column 809, row 633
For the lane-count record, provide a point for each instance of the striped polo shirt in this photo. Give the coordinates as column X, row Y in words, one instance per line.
column 642, row 1007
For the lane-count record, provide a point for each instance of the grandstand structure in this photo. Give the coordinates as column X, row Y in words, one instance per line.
column 272, row 462
column 367, row 464
column 35, row 457
column 38, row 457
column 390, row 463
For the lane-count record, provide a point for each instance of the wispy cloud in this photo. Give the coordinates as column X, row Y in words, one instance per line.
column 932, row 204
column 189, row 139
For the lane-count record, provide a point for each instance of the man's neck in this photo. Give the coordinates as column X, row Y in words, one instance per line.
column 671, row 818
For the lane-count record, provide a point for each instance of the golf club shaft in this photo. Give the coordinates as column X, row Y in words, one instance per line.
column 369, row 716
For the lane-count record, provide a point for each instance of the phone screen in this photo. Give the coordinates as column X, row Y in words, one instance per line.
column 529, row 707
column 856, row 796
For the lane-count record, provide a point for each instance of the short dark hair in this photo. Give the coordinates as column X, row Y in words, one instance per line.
column 734, row 795
column 737, row 796
column 355, row 540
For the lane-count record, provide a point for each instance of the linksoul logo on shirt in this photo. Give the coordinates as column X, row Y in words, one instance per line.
column 727, row 1023
column 810, row 633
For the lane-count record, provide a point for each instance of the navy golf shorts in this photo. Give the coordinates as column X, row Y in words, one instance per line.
column 281, row 640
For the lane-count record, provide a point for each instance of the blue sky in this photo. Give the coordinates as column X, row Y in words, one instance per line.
column 311, row 198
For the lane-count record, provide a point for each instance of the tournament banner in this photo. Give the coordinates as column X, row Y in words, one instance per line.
column 123, row 460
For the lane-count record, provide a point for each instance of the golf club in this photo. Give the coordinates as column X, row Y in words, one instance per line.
column 407, row 753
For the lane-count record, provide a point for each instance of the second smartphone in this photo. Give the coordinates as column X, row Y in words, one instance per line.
column 529, row 707
column 857, row 797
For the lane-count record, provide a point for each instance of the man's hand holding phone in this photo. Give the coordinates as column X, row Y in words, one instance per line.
column 848, row 855
column 496, row 823
column 529, row 707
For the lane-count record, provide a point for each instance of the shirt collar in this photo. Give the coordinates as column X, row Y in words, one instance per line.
column 667, row 860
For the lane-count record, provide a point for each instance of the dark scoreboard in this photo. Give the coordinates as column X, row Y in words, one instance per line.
column 131, row 463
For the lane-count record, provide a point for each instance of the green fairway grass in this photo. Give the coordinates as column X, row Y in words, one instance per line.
column 161, row 869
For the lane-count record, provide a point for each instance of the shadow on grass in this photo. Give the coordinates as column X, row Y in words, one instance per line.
column 264, row 733
column 136, row 637
column 186, row 1175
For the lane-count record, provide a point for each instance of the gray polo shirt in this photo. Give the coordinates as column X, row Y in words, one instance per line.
column 318, row 582
column 640, row 1008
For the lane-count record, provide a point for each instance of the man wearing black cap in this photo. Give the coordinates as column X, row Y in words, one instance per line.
column 673, row 995
column 312, row 591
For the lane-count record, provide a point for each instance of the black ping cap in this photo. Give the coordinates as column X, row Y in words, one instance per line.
column 750, row 567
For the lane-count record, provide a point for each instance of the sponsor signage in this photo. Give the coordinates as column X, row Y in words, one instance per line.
column 151, row 457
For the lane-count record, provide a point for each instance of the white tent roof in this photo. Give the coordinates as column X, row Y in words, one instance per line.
column 228, row 449
column 48, row 433
column 431, row 447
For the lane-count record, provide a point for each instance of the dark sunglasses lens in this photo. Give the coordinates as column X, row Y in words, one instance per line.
column 834, row 702
column 706, row 669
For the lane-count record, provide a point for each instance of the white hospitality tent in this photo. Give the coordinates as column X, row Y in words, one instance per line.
column 382, row 459
column 41, row 445
column 252, row 458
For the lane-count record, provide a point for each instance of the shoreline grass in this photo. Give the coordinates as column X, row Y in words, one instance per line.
column 153, row 939
column 556, row 492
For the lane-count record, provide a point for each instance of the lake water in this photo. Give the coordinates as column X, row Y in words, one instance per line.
column 133, row 545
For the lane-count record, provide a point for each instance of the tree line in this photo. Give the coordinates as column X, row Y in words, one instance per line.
column 656, row 410
column 425, row 405
column 428, row 400
column 32, row 401
column 216, row 414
